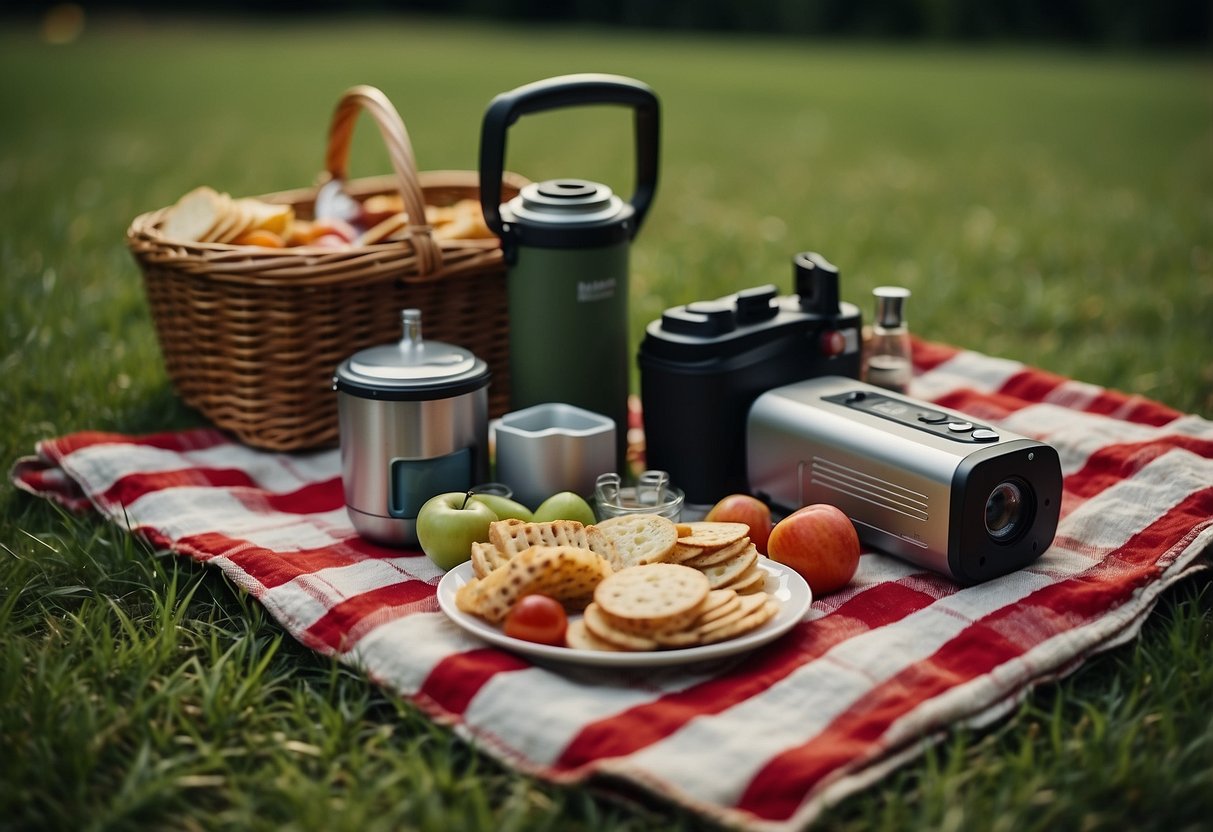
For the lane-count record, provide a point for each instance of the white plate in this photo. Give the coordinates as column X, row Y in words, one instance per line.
column 782, row 583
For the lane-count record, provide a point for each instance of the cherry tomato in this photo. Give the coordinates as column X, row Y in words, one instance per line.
column 537, row 618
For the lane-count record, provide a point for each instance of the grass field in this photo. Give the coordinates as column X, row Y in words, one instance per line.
column 1047, row 206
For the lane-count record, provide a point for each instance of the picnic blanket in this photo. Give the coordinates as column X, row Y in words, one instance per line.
column 765, row 739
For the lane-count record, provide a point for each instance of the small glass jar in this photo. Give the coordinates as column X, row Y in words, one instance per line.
column 652, row 494
column 888, row 362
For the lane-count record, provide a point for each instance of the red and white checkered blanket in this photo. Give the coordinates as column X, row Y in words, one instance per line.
column 765, row 739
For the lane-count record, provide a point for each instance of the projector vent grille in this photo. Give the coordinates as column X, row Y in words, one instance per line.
column 858, row 485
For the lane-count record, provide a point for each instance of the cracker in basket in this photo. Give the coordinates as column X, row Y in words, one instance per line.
column 233, row 221
column 383, row 230
column 462, row 221
column 194, row 215
column 267, row 216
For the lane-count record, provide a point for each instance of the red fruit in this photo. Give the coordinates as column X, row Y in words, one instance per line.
column 742, row 508
column 819, row 542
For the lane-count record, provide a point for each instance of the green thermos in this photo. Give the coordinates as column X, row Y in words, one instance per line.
column 566, row 246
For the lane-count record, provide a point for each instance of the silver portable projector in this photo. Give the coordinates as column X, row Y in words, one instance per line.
column 928, row 485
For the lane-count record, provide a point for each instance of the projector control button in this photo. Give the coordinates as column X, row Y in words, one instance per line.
column 985, row 435
column 932, row 417
column 960, row 427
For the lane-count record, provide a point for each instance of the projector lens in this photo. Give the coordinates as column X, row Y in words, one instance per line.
column 1006, row 511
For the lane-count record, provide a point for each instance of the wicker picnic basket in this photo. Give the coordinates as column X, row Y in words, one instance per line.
column 251, row 336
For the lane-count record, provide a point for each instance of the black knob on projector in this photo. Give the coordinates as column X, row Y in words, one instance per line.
column 816, row 280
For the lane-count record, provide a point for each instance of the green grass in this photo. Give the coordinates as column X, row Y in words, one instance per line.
column 1048, row 206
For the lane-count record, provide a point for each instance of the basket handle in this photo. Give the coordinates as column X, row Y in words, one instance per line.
column 400, row 150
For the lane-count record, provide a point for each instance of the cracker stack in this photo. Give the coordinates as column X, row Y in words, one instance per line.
column 723, row 552
column 665, row 605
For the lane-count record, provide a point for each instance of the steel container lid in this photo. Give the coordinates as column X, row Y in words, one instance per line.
column 412, row 369
column 568, row 213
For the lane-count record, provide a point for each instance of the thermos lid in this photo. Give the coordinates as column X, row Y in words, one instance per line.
column 567, row 213
column 412, row 369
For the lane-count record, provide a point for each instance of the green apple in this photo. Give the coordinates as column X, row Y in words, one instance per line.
column 565, row 506
column 504, row 507
column 449, row 524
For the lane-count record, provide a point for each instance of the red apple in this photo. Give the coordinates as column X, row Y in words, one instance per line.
column 819, row 542
column 742, row 508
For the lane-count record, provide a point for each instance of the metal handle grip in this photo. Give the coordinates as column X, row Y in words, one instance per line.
column 558, row 93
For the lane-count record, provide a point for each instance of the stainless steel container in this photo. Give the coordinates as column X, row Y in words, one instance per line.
column 413, row 424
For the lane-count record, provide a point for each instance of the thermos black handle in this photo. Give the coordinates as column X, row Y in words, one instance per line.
column 570, row 91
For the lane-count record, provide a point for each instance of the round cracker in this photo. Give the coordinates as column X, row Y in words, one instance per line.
column 722, row 574
column 640, row 538
column 746, row 624
column 598, row 624
column 711, row 558
column 579, row 637
column 752, row 580
column 713, row 535
column 659, row 596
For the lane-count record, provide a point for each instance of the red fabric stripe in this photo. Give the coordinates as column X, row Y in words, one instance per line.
column 987, row 407
column 316, row 498
column 188, row 440
column 37, row 476
column 342, row 626
column 1035, row 385
column 1113, row 463
column 1148, row 412
column 131, row 487
column 455, row 680
column 1031, row 385
column 272, row 568
column 927, row 355
column 645, row 724
column 778, row 788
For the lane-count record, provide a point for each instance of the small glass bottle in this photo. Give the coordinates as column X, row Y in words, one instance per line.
column 888, row 363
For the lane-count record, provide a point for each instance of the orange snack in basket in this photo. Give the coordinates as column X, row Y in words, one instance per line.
column 260, row 237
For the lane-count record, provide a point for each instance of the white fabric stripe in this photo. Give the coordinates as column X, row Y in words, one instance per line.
column 403, row 652
column 965, row 370
column 189, row 510
column 101, row 466
column 1076, row 395
column 754, row 731
column 507, row 706
column 1077, row 436
column 1106, row 521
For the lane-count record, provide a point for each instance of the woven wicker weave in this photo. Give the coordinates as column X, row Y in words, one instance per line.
column 251, row 336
